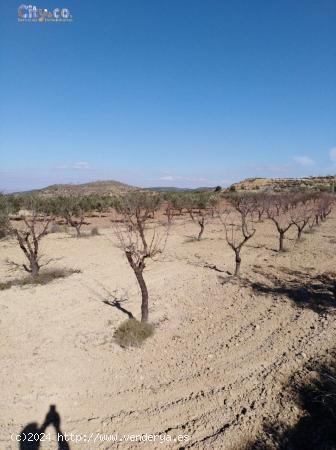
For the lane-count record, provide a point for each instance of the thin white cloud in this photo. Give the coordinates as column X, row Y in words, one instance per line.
column 166, row 178
column 80, row 165
column 181, row 178
column 304, row 160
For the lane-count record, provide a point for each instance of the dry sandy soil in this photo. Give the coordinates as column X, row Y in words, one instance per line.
column 222, row 351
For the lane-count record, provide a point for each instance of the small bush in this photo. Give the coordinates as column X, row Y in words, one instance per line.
column 56, row 228
column 43, row 278
column 133, row 333
column 4, row 286
column 95, row 232
column 310, row 231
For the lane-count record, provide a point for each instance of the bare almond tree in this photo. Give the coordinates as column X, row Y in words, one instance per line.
column 200, row 206
column 238, row 225
column 169, row 210
column 301, row 215
column 320, row 205
column 139, row 239
column 279, row 212
column 32, row 228
column 260, row 205
column 325, row 205
column 174, row 204
column 201, row 222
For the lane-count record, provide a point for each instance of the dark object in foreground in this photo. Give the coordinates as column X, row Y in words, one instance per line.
column 32, row 434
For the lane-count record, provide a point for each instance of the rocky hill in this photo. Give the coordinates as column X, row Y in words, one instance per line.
column 324, row 183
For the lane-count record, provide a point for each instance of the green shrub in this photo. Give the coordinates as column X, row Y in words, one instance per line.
column 133, row 333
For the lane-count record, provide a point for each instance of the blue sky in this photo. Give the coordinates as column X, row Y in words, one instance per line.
column 168, row 92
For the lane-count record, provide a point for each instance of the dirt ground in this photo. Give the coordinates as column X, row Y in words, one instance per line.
column 222, row 351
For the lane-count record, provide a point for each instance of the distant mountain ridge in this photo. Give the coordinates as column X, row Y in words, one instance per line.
column 105, row 187
column 112, row 187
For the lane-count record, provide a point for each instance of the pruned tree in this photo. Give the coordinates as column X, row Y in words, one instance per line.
column 321, row 206
column 169, row 210
column 178, row 202
column 261, row 206
column 200, row 202
column 72, row 210
column 213, row 202
column 279, row 212
column 301, row 215
column 31, row 229
column 325, row 205
column 139, row 239
column 238, row 225
column 200, row 206
column 173, row 202
column 155, row 201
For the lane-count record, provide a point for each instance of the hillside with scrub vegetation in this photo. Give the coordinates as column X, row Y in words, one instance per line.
column 109, row 187
column 319, row 183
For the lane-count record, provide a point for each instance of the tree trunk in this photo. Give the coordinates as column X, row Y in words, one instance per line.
column 35, row 268
column 299, row 233
column 238, row 262
column 78, row 230
column 138, row 270
column 201, row 224
column 281, row 241
column 144, row 295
